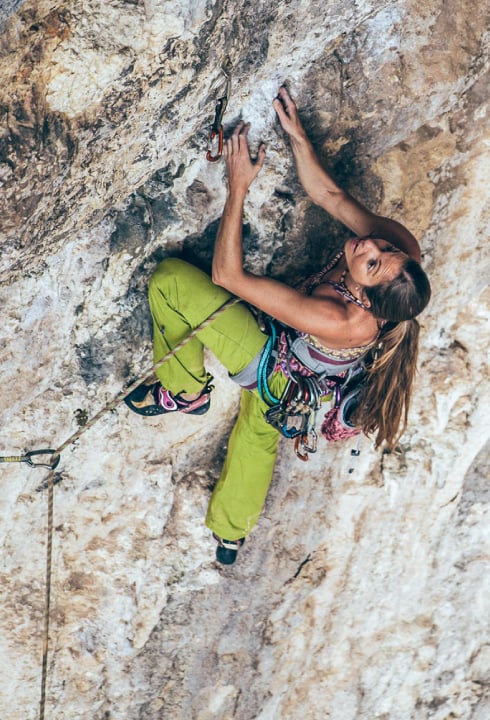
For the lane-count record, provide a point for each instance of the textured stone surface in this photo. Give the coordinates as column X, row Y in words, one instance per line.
column 360, row 595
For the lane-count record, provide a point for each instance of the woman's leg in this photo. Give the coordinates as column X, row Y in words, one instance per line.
column 239, row 495
column 181, row 297
column 240, row 492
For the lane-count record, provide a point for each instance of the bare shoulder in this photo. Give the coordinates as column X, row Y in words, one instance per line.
column 353, row 335
column 338, row 324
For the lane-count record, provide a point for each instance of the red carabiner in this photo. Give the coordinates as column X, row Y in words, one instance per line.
column 298, row 441
column 217, row 127
column 209, row 155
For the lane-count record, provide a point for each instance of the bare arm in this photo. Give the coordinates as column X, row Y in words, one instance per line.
column 323, row 190
column 241, row 172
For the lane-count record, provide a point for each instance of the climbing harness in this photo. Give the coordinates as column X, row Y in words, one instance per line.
column 294, row 413
column 53, row 478
column 216, row 135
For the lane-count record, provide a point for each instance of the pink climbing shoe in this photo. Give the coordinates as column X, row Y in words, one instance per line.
column 166, row 402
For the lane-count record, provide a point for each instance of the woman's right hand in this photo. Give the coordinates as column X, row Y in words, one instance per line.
column 241, row 170
column 287, row 113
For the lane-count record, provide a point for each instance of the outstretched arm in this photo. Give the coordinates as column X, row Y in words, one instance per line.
column 241, row 172
column 323, row 190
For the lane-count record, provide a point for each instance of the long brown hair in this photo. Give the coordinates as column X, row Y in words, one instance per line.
column 386, row 396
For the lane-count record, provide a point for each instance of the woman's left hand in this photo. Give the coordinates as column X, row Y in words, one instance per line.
column 240, row 168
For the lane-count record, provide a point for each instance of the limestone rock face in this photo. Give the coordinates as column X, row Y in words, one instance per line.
column 360, row 594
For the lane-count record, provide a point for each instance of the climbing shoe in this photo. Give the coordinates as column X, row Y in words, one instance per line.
column 163, row 401
column 227, row 550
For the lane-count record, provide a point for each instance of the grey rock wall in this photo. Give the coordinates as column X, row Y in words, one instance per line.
column 359, row 595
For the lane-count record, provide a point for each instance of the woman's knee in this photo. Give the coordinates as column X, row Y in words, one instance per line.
column 170, row 274
column 170, row 267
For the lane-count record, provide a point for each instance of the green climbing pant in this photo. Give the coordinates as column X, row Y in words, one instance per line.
column 181, row 297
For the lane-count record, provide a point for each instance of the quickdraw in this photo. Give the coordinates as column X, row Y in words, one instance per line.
column 216, row 135
column 27, row 458
column 295, row 413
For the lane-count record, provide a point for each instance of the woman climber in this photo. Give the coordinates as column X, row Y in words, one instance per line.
column 360, row 309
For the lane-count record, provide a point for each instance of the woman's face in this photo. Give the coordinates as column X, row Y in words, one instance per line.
column 373, row 261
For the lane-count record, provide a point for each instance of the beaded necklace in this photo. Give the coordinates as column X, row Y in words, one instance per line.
column 339, row 287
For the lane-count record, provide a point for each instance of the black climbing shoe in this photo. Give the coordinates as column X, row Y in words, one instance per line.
column 227, row 550
column 165, row 402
